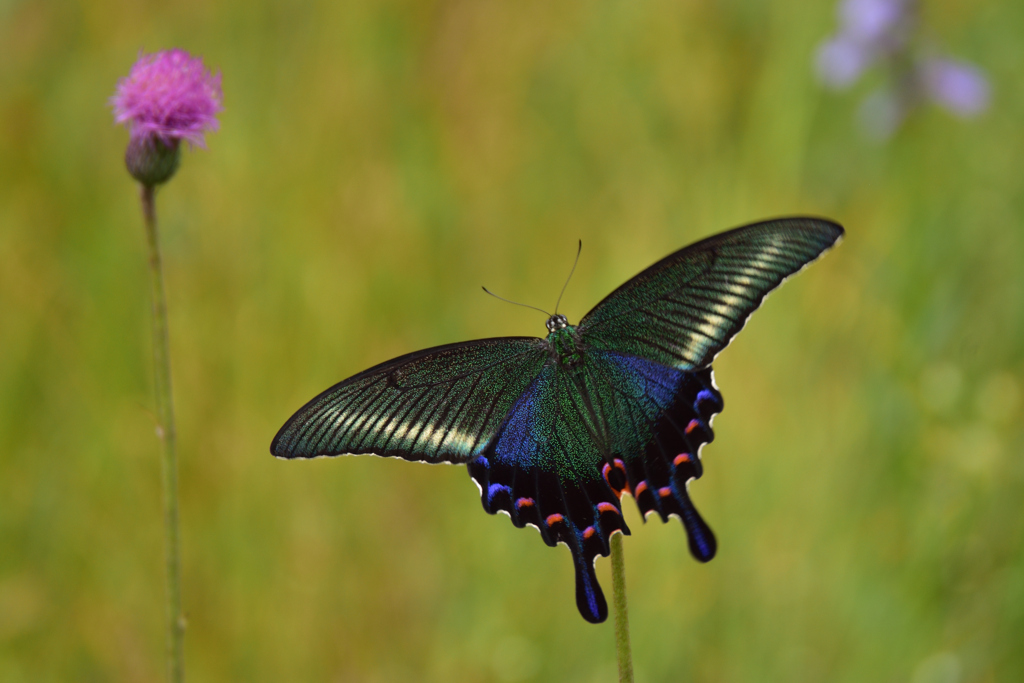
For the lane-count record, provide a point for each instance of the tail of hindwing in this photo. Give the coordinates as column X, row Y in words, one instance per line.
column 583, row 517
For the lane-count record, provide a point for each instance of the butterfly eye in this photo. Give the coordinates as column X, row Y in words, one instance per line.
column 557, row 322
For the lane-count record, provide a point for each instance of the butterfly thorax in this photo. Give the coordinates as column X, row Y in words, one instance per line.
column 564, row 342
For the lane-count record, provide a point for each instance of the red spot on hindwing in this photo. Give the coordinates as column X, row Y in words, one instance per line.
column 681, row 458
column 665, row 491
column 554, row 519
column 693, row 425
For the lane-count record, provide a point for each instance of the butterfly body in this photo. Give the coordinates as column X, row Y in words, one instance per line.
column 565, row 344
column 555, row 430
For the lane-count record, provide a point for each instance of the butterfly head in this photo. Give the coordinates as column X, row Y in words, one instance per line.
column 557, row 322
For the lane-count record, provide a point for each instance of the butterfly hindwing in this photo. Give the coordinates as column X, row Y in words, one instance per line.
column 672, row 412
column 580, row 436
column 687, row 307
column 438, row 405
column 657, row 474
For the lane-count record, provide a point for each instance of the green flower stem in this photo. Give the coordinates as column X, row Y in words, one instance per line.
column 622, row 650
column 166, row 433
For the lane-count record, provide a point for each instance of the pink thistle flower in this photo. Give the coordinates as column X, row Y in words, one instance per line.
column 169, row 95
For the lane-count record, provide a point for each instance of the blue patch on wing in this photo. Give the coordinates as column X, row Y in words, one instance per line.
column 518, row 445
column 703, row 396
column 653, row 380
column 495, row 489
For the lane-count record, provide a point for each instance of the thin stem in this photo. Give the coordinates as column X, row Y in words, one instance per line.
column 166, row 434
column 622, row 650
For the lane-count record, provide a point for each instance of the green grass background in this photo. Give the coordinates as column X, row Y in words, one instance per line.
column 377, row 163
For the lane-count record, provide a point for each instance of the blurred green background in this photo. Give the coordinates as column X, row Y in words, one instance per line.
column 377, row 163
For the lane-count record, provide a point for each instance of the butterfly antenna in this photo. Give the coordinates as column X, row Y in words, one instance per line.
column 515, row 302
column 578, row 250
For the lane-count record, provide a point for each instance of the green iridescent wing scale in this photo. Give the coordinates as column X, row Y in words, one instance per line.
column 438, row 405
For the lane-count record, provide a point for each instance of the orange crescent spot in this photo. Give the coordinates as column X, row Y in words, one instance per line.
column 607, row 507
column 588, row 532
column 665, row 491
column 554, row 519
column 524, row 503
column 640, row 488
column 693, row 425
column 681, row 458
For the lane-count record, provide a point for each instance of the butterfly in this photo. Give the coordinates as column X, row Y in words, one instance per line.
column 555, row 430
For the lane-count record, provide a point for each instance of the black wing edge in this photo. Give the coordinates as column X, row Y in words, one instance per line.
column 376, row 369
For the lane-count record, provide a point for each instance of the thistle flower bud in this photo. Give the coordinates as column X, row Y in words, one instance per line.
column 150, row 160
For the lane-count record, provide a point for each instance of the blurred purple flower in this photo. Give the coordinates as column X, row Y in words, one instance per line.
column 841, row 61
column 960, row 87
column 869, row 30
column 883, row 32
column 169, row 96
column 869, row 21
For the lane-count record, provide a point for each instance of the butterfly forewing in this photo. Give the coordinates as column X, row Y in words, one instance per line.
column 686, row 308
column 439, row 405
